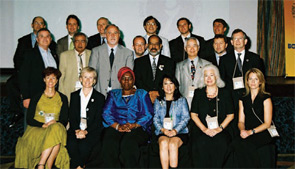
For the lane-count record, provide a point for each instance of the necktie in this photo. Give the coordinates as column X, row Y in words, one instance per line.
column 239, row 61
column 154, row 67
column 80, row 63
column 71, row 44
column 193, row 70
column 112, row 56
column 103, row 40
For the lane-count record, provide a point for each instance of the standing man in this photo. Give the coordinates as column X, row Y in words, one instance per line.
column 139, row 46
column 108, row 59
column 219, row 45
column 71, row 64
column 66, row 43
column 100, row 38
column 149, row 69
column 188, row 72
column 178, row 53
column 152, row 27
column 219, row 27
column 233, row 67
column 35, row 61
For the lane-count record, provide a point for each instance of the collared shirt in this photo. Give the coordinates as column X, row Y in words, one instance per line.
column 47, row 58
column 84, row 102
column 183, row 38
column 242, row 55
column 78, row 60
column 103, row 39
column 33, row 37
column 218, row 57
column 109, row 49
column 69, row 41
column 152, row 60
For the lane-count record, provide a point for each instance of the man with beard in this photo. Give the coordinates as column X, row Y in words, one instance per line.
column 139, row 46
column 150, row 68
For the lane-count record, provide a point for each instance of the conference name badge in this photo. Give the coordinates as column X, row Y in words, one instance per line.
column 212, row 122
column 83, row 123
column 168, row 123
column 238, row 83
column 48, row 117
column 191, row 91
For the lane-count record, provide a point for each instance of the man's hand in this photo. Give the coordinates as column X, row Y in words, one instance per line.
column 26, row 103
column 153, row 95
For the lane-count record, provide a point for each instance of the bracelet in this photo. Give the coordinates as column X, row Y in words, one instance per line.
column 253, row 131
column 221, row 127
column 117, row 126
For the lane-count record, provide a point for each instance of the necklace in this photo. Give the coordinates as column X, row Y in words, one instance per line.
column 49, row 96
column 213, row 94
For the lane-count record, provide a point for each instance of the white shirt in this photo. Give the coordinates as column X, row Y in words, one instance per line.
column 110, row 49
column 183, row 38
column 84, row 103
column 242, row 55
column 152, row 60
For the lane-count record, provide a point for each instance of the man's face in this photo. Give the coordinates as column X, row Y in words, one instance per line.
column 139, row 46
column 38, row 24
column 154, row 46
column 192, row 48
column 151, row 27
column 112, row 35
column 101, row 25
column 219, row 45
column 218, row 28
column 80, row 43
column 238, row 41
column 183, row 27
column 72, row 26
column 44, row 39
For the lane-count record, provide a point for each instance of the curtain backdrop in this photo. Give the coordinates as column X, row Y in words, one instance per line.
column 271, row 37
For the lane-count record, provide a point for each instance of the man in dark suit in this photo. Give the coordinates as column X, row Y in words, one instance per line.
column 219, row 27
column 100, row 38
column 233, row 67
column 66, row 43
column 149, row 69
column 219, row 46
column 176, row 45
column 24, row 43
column 35, row 61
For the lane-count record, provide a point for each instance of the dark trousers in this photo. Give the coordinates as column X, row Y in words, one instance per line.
column 122, row 149
column 13, row 92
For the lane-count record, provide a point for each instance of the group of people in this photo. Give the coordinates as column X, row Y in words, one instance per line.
column 95, row 98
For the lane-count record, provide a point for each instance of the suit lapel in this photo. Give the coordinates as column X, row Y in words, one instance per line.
column 105, row 57
column 88, row 53
column 39, row 57
column 186, row 69
column 246, row 63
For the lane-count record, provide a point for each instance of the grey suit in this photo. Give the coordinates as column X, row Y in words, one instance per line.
column 99, row 60
column 62, row 45
column 183, row 75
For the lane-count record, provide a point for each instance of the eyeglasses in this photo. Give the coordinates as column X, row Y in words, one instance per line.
column 151, row 23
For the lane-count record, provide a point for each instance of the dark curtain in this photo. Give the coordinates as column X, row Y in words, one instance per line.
column 271, row 36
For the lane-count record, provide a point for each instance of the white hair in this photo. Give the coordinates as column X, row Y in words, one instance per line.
column 185, row 43
column 219, row 81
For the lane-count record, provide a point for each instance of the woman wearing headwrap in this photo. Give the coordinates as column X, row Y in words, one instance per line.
column 127, row 117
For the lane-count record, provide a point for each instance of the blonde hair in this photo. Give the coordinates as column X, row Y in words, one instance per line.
column 89, row 70
column 261, row 78
column 219, row 82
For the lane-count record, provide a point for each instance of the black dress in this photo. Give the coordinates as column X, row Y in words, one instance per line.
column 245, row 149
column 210, row 152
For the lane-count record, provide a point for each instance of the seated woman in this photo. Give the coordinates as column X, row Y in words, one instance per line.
column 255, row 116
column 85, row 119
column 170, row 120
column 212, row 111
column 127, row 117
column 45, row 138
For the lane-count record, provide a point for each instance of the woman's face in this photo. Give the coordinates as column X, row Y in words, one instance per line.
column 209, row 77
column 127, row 81
column 168, row 86
column 50, row 81
column 253, row 81
column 87, row 79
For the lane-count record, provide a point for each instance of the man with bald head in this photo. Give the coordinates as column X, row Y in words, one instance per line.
column 100, row 38
column 108, row 59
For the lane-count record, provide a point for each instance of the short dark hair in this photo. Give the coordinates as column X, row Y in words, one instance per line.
column 139, row 36
column 238, row 31
column 183, row 18
column 220, row 36
column 160, row 40
column 150, row 18
column 80, row 34
column 176, row 94
column 221, row 21
column 36, row 18
column 73, row 17
column 43, row 29
column 51, row 70
column 103, row 18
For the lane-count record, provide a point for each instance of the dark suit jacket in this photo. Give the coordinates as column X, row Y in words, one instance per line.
column 25, row 43
column 63, row 116
column 177, row 48
column 209, row 50
column 95, row 40
column 62, row 45
column 30, row 74
column 212, row 59
column 227, row 65
column 144, row 74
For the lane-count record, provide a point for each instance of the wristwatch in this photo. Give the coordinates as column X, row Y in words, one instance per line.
column 253, row 131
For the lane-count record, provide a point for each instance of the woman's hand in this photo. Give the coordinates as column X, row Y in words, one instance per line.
column 80, row 134
column 124, row 128
column 169, row 133
column 48, row 124
column 211, row 132
column 245, row 133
